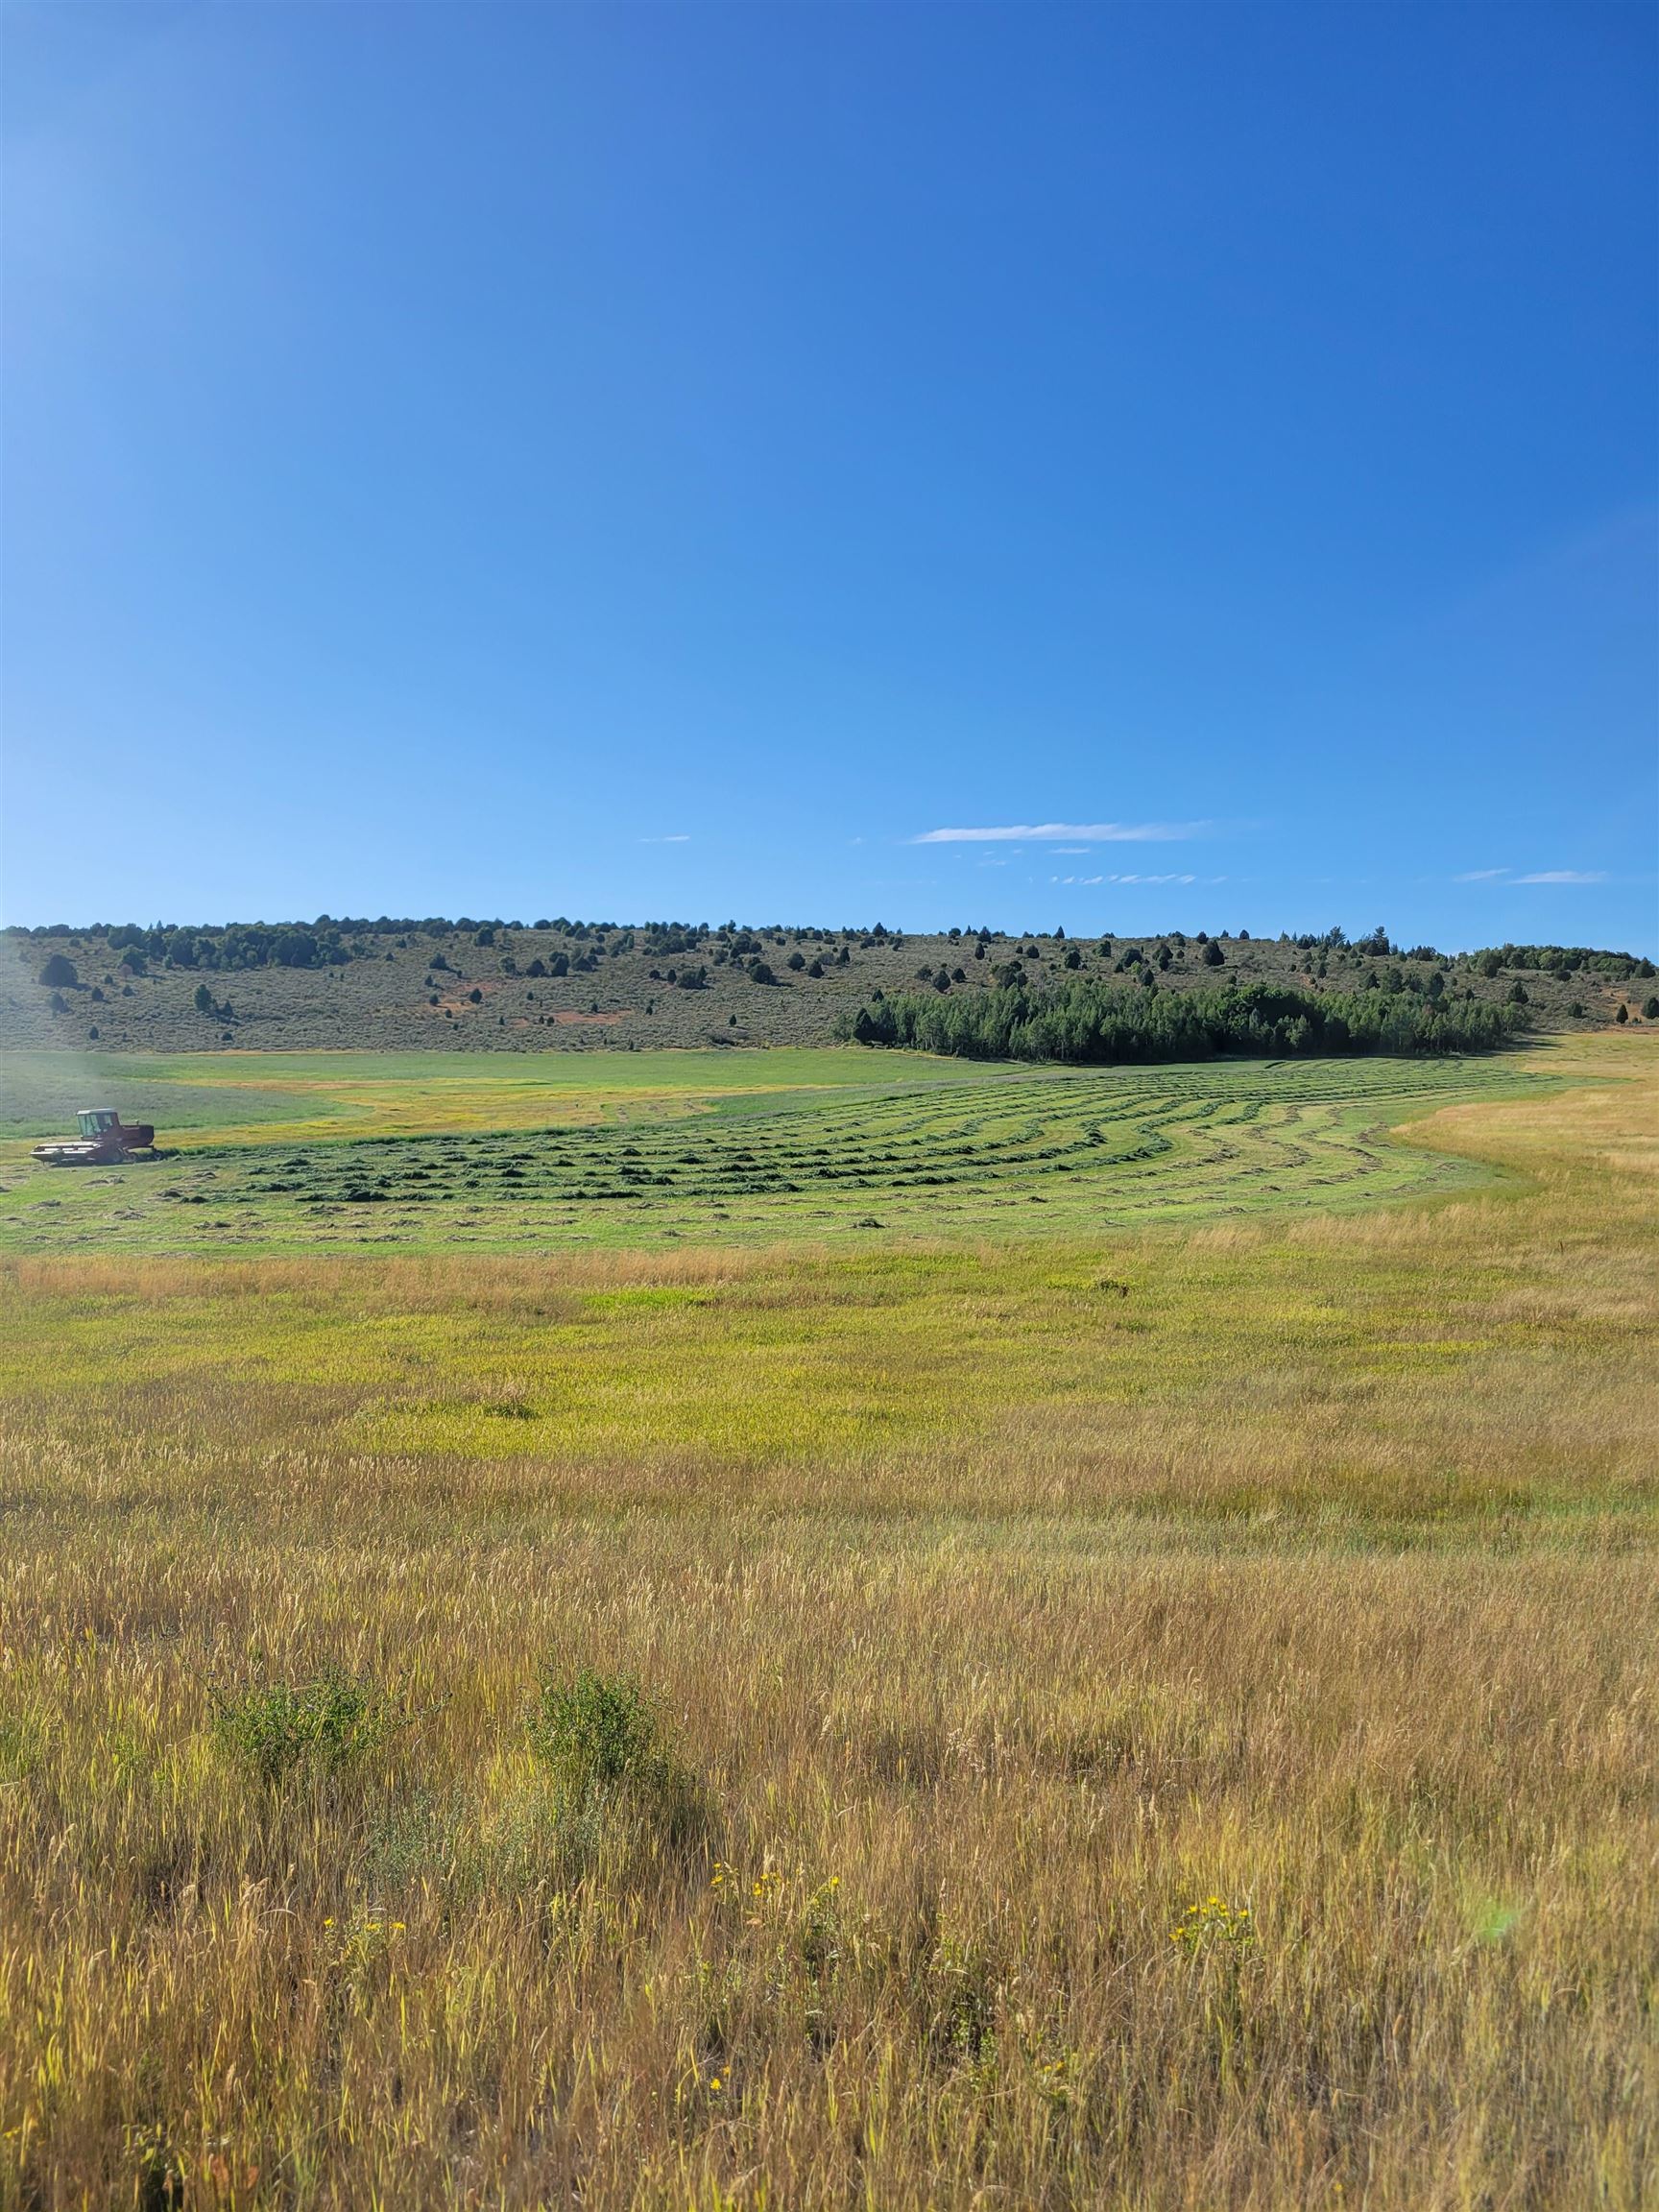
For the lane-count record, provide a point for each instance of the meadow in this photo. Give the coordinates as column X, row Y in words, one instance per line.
column 271, row 1153
column 1142, row 1701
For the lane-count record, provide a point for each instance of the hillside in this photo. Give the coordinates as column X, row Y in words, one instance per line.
column 572, row 986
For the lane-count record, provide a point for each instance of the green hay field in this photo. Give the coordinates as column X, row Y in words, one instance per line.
column 644, row 1148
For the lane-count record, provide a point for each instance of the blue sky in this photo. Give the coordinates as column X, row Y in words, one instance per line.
column 1125, row 466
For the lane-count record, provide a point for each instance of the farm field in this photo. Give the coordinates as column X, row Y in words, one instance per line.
column 638, row 1149
column 1148, row 1697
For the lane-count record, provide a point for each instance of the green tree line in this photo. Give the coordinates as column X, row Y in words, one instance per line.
column 1087, row 1021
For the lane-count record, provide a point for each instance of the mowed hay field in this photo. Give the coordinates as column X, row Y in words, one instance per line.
column 1161, row 1716
column 348, row 1152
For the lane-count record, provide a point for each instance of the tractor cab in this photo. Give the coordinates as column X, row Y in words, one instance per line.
column 94, row 1120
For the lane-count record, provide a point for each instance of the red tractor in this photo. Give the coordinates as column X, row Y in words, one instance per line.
column 103, row 1142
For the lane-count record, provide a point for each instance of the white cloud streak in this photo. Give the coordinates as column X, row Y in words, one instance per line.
column 1537, row 875
column 1085, row 880
column 1067, row 834
column 675, row 837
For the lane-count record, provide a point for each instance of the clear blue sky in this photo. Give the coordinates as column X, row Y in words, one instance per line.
column 681, row 460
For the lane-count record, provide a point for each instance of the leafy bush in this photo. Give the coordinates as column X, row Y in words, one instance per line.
column 603, row 1742
column 592, row 1731
column 281, row 1729
column 60, row 974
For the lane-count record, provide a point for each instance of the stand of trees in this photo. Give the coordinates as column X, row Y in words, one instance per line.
column 1087, row 1021
column 1562, row 960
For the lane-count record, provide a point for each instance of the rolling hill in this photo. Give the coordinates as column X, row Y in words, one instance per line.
column 574, row 986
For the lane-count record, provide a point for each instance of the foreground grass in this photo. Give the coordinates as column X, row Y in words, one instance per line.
column 994, row 1608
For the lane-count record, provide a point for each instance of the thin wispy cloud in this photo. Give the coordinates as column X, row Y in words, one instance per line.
column 1083, row 834
column 674, row 837
column 1534, row 876
column 1082, row 881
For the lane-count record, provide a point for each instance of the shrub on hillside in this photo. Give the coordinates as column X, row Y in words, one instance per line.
column 60, row 974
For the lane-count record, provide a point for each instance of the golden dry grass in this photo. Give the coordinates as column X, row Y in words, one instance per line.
column 1001, row 1617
